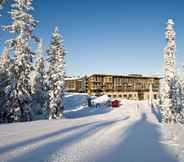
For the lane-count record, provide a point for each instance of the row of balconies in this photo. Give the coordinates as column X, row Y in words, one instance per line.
column 123, row 88
column 126, row 82
column 107, row 86
column 122, row 80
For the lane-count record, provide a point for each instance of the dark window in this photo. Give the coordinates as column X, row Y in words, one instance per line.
column 155, row 96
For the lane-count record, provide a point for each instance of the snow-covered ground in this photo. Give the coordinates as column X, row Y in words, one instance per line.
column 131, row 133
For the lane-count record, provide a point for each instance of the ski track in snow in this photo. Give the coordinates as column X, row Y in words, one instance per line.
column 127, row 134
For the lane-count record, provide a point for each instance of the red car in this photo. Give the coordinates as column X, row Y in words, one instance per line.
column 115, row 103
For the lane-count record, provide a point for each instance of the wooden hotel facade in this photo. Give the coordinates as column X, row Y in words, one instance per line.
column 133, row 87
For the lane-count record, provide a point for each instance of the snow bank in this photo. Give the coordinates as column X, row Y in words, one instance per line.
column 74, row 100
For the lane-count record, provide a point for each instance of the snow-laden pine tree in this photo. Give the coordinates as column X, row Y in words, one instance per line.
column 181, row 82
column 4, row 68
column 56, row 74
column 38, row 81
column 180, row 96
column 5, row 77
column 19, row 95
column 168, row 93
column 39, row 68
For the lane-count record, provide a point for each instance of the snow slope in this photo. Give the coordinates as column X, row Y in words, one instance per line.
column 131, row 133
column 75, row 100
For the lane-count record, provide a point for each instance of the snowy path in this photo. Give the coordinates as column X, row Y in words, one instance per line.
column 128, row 134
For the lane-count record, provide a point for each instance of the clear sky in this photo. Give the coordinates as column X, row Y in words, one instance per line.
column 110, row 36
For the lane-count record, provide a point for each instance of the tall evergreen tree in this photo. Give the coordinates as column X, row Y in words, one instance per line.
column 38, row 83
column 39, row 68
column 5, row 76
column 19, row 96
column 169, row 103
column 56, row 76
column 180, row 96
column 181, row 83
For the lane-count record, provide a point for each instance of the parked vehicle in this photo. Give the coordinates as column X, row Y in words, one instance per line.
column 115, row 103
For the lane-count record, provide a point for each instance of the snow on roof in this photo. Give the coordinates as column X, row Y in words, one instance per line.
column 129, row 75
column 73, row 78
column 123, row 75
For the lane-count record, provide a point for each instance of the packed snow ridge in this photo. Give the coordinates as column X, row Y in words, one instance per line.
column 130, row 133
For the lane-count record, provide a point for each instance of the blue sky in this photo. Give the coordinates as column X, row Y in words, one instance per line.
column 110, row 36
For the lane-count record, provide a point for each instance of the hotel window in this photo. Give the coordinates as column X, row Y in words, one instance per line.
column 155, row 96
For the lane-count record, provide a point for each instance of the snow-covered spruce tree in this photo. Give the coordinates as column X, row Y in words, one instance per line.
column 168, row 94
column 5, row 77
column 56, row 74
column 39, row 66
column 38, row 83
column 181, row 82
column 19, row 95
column 180, row 96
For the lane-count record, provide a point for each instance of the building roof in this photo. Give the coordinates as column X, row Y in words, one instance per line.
column 129, row 76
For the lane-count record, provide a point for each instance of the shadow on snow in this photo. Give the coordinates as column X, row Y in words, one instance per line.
column 141, row 144
column 87, row 111
column 40, row 138
column 45, row 151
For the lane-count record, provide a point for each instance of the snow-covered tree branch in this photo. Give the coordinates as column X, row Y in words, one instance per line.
column 56, row 75
column 19, row 94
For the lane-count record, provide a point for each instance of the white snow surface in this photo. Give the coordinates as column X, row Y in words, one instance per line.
column 101, row 100
column 130, row 133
